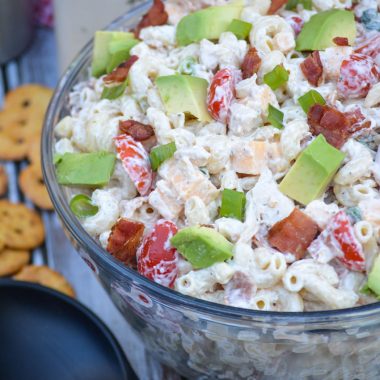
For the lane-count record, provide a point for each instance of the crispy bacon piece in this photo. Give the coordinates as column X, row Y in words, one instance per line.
column 357, row 120
column 156, row 16
column 143, row 133
column 276, row 5
column 293, row 234
column 120, row 74
column 312, row 68
column 251, row 63
column 124, row 240
column 329, row 122
column 341, row 41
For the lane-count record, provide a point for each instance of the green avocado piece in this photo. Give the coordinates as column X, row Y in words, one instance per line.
column 85, row 169
column 207, row 23
column 240, row 28
column 373, row 282
column 120, row 52
column 101, row 52
column 312, row 172
column 318, row 33
column 184, row 93
column 202, row 246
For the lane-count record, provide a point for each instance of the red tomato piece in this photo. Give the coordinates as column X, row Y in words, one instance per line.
column 370, row 47
column 358, row 74
column 296, row 23
column 222, row 93
column 136, row 162
column 353, row 256
column 339, row 239
column 156, row 258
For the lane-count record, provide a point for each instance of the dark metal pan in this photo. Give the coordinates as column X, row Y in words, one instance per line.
column 45, row 335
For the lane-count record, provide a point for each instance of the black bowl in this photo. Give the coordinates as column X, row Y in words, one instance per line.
column 47, row 335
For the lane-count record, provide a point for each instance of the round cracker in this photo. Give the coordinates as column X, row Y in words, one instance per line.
column 3, row 181
column 14, row 144
column 32, row 185
column 28, row 97
column 25, row 122
column 21, row 227
column 34, row 150
column 11, row 261
column 45, row 276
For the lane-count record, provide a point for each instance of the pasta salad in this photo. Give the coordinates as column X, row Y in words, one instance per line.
column 229, row 150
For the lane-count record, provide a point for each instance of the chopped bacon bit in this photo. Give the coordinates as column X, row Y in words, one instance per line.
column 124, row 240
column 239, row 290
column 293, row 234
column 357, row 75
column 341, row 41
column 251, row 63
column 156, row 16
column 312, row 68
column 357, row 120
column 137, row 130
column 121, row 72
column 276, row 5
column 329, row 122
column 143, row 133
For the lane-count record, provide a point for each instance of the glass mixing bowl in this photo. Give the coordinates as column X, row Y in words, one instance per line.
column 203, row 340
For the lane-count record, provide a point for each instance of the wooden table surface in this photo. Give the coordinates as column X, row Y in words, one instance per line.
column 38, row 65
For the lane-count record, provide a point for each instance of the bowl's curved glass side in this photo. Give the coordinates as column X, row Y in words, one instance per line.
column 201, row 339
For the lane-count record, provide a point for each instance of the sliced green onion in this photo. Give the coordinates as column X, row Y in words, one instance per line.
column 292, row 4
column 161, row 153
column 187, row 66
column 277, row 77
column 82, row 207
column 275, row 117
column 309, row 99
column 240, row 28
column 114, row 92
column 233, row 204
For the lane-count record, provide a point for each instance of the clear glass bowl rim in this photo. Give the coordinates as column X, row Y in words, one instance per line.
column 74, row 227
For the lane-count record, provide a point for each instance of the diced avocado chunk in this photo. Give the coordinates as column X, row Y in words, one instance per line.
column 202, row 246
column 184, row 93
column 120, row 52
column 85, row 169
column 207, row 23
column 312, row 172
column 373, row 282
column 240, row 28
column 101, row 54
column 318, row 33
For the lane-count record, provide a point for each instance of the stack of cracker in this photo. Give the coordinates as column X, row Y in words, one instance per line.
column 21, row 123
column 21, row 229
